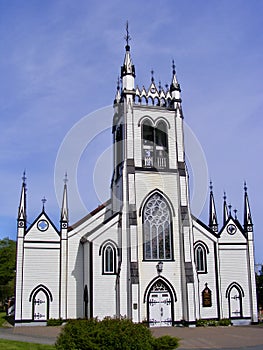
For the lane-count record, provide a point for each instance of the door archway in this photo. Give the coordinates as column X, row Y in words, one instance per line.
column 160, row 304
column 235, row 296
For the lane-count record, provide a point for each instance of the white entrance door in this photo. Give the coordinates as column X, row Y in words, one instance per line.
column 40, row 306
column 235, row 303
column 160, row 306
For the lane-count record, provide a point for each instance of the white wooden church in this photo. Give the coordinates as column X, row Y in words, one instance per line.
column 142, row 254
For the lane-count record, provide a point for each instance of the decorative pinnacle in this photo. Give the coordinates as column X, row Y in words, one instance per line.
column 235, row 211
column 167, row 86
column 211, row 186
column 245, row 186
column 24, row 177
column 160, row 85
column 65, row 178
column 127, row 36
column 224, row 197
column 43, row 200
column 173, row 66
column 152, row 73
column 230, row 207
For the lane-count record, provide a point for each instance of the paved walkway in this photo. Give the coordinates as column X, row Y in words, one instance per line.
column 227, row 338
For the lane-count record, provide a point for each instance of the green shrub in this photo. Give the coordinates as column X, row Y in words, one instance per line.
column 54, row 322
column 108, row 334
column 213, row 323
column 165, row 343
column 201, row 323
column 224, row 322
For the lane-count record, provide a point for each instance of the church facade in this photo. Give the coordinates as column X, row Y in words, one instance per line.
column 142, row 254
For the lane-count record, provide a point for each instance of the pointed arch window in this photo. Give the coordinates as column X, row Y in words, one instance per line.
column 109, row 257
column 157, row 231
column 200, row 259
column 154, row 145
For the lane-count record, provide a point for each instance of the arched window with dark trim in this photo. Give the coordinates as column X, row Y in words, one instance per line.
column 157, row 230
column 154, row 145
column 109, row 257
column 200, row 259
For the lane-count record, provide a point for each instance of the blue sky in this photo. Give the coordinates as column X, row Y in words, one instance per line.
column 60, row 60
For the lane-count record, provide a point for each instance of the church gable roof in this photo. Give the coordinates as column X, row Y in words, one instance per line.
column 42, row 230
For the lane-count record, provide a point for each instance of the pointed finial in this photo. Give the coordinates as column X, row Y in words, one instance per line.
column 245, row 186
column 43, row 200
column 235, row 211
column 224, row 197
column 211, row 186
column 173, row 66
column 127, row 36
column 167, row 86
column 230, row 207
column 160, row 85
column 65, row 178
column 152, row 73
column 24, row 177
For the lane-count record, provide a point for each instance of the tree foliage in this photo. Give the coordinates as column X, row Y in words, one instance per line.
column 259, row 283
column 7, row 267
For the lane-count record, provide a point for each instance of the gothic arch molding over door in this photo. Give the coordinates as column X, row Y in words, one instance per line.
column 235, row 296
column 40, row 298
column 160, row 304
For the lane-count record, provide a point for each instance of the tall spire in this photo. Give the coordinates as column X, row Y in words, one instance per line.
column 212, row 211
column 175, row 86
column 248, row 225
column 225, row 210
column 127, row 69
column 22, row 206
column 64, row 208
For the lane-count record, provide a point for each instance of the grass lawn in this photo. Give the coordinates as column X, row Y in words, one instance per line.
column 2, row 318
column 17, row 345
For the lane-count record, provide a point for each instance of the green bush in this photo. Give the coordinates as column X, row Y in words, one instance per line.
column 110, row 334
column 213, row 323
column 165, row 343
column 224, row 322
column 54, row 322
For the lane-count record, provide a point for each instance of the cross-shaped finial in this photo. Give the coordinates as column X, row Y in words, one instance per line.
column 245, row 186
column 65, row 178
column 152, row 73
column 43, row 200
column 127, row 36
column 24, row 177
column 173, row 66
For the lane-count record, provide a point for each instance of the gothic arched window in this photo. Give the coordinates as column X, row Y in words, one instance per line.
column 200, row 259
column 109, row 259
column 157, row 232
column 154, row 145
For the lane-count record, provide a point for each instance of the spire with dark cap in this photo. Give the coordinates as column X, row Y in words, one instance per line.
column 248, row 225
column 212, row 211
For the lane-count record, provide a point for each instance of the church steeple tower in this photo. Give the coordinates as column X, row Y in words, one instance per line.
column 127, row 69
column 21, row 219
column 175, row 86
column 248, row 225
column 225, row 210
column 212, row 211
column 64, row 207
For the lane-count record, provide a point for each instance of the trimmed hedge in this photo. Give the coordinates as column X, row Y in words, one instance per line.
column 213, row 323
column 110, row 334
column 54, row 322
